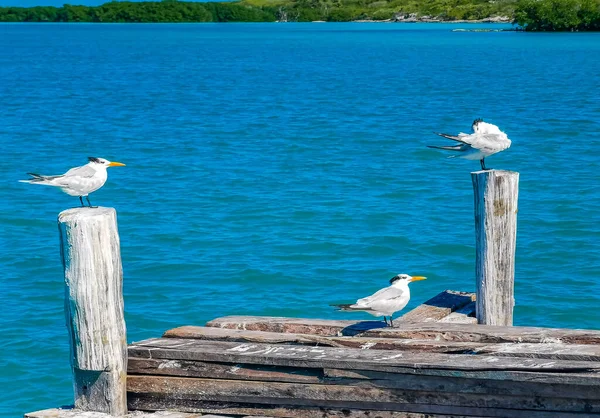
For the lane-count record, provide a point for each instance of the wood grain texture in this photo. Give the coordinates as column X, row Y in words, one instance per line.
column 508, row 383
column 422, row 331
column 344, row 358
column 142, row 401
column 548, row 350
column 187, row 368
column 496, row 197
column 91, row 256
column 364, row 343
column 351, row 397
column 75, row 413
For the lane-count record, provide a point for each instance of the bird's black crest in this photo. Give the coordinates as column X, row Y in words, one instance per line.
column 395, row 278
column 93, row 160
column 476, row 122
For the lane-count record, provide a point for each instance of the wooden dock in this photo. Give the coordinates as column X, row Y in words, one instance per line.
column 432, row 363
column 452, row 356
column 286, row 367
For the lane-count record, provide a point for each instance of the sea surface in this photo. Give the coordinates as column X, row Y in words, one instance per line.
column 273, row 169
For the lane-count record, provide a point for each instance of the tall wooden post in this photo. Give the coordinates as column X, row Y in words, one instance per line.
column 496, row 196
column 91, row 255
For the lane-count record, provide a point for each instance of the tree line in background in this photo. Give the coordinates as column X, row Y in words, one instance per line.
column 533, row 15
column 558, row 15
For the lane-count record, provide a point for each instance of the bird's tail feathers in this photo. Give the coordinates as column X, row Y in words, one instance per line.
column 452, row 137
column 448, row 147
column 38, row 178
column 350, row 307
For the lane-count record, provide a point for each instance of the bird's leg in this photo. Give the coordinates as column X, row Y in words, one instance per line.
column 385, row 320
column 81, row 200
column 391, row 322
column 88, row 200
column 483, row 165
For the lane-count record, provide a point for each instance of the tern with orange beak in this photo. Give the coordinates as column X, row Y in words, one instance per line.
column 78, row 181
column 386, row 301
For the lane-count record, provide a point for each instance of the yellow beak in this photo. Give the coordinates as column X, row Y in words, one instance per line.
column 417, row 278
column 116, row 164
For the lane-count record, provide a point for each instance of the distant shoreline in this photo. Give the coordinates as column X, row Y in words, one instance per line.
column 246, row 11
column 504, row 22
column 527, row 15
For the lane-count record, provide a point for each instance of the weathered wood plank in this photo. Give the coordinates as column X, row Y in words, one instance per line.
column 335, row 357
column 91, row 256
column 555, row 351
column 76, row 413
column 569, row 385
column 430, row 330
column 342, row 396
column 438, row 307
column 185, row 368
column 496, row 195
column 151, row 402
column 295, row 325
column 236, row 335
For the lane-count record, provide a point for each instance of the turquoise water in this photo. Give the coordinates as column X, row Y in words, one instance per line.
column 274, row 169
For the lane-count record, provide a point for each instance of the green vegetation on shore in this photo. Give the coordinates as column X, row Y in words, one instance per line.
column 535, row 15
column 558, row 15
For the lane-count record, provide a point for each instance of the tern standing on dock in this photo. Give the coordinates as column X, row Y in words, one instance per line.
column 486, row 140
column 386, row 301
column 78, row 181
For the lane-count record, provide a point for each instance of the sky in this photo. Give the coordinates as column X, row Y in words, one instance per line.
column 31, row 3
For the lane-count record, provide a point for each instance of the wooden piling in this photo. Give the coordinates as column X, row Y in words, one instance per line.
column 91, row 256
column 496, row 195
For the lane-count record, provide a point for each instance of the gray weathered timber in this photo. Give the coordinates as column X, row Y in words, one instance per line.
column 496, row 196
column 548, row 350
column 438, row 307
column 90, row 251
column 75, row 413
column 344, row 358
column 295, row 325
column 349, row 397
column 509, row 384
column 421, row 331
column 142, row 401
column 364, row 343
column 186, row 368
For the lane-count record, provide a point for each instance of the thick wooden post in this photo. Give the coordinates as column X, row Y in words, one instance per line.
column 91, row 257
column 496, row 196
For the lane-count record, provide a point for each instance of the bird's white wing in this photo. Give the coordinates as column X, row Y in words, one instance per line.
column 489, row 142
column 75, row 177
column 84, row 171
column 383, row 294
column 388, row 300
